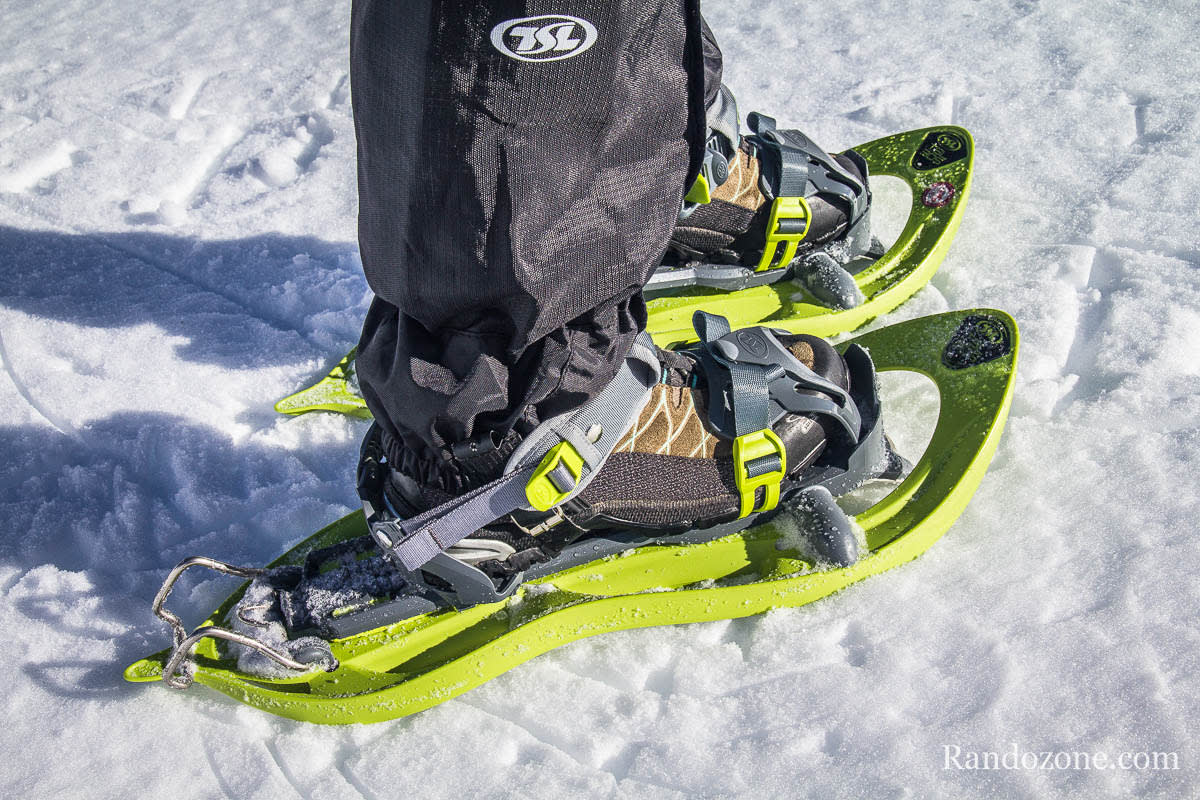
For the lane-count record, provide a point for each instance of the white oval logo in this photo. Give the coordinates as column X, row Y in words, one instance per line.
column 550, row 37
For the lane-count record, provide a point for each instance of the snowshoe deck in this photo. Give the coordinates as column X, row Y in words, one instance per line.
column 936, row 164
column 411, row 665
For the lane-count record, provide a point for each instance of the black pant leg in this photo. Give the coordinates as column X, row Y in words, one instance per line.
column 713, row 63
column 511, row 209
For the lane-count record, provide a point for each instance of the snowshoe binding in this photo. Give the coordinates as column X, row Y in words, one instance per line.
column 776, row 231
column 394, row 609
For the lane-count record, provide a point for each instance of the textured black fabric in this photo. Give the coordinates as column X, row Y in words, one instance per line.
column 713, row 64
column 663, row 491
column 714, row 227
column 510, row 211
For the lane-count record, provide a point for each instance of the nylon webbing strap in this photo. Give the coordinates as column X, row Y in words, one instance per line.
column 763, row 466
column 758, row 454
column 722, row 118
column 422, row 537
column 749, row 385
column 804, row 169
column 610, row 414
column 592, row 430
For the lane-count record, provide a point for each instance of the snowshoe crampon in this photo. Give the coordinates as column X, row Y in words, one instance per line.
column 936, row 165
column 430, row 656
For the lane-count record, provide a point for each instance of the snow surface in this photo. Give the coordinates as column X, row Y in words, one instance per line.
column 177, row 220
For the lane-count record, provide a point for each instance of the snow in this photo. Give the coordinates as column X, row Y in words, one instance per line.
column 177, row 222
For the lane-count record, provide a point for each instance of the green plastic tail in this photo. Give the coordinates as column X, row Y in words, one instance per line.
column 334, row 392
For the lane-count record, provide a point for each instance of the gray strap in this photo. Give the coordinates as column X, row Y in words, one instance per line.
column 763, row 465
column 792, row 385
column 722, row 118
column 804, row 169
column 607, row 416
column 762, row 380
column 418, row 539
column 749, row 387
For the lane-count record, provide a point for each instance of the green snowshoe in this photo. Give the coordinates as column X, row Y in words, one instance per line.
column 393, row 646
column 824, row 291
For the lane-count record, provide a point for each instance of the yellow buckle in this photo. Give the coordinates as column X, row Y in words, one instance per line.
column 785, row 208
column 700, row 192
column 541, row 490
column 747, row 449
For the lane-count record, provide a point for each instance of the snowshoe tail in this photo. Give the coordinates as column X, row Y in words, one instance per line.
column 407, row 666
column 936, row 164
column 337, row 392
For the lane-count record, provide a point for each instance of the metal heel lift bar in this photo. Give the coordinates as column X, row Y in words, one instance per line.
column 178, row 672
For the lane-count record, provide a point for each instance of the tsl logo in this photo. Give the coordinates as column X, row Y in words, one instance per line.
column 550, row 37
column 939, row 149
